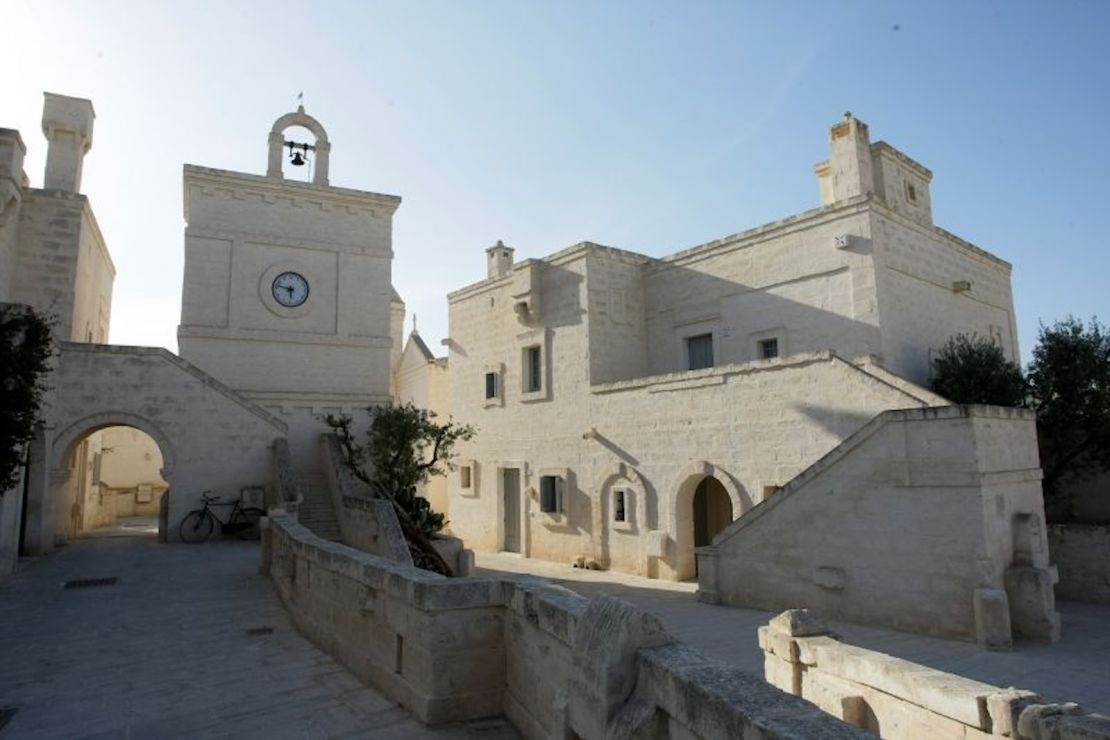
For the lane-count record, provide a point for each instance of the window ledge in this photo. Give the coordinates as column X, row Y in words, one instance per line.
column 533, row 396
column 628, row 527
column 553, row 519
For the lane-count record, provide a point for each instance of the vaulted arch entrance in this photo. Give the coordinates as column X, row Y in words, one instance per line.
column 712, row 510
column 110, row 479
column 707, row 499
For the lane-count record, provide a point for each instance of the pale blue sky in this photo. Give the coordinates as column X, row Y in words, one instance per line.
column 648, row 126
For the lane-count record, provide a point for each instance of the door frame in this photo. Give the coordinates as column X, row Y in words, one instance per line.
column 522, row 522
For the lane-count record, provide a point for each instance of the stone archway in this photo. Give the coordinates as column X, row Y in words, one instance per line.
column 64, row 484
column 682, row 514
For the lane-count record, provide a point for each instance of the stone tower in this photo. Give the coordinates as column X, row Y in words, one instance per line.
column 287, row 292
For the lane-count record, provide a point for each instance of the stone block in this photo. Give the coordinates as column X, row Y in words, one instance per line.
column 799, row 623
column 992, row 619
column 1005, row 707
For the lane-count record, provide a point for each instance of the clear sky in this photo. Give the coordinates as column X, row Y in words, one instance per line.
column 647, row 126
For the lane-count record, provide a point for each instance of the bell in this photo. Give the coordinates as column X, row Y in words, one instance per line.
column 298, row 160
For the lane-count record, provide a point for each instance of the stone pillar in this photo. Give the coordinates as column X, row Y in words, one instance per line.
column 708, row 564
column 992, row 619
column 67, row 124
column 850, row 159
column 499, row 260
column 38, row 535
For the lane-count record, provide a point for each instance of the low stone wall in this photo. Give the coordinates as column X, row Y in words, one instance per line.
column 554, row 663
column 1081, row 553
column 894, row 698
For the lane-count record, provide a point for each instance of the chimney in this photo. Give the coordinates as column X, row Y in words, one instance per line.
column 499, row 260
column 67, row 124
column 848, row 171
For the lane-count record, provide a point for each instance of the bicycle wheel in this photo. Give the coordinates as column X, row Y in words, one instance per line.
column 245, row 523
column 196, row 526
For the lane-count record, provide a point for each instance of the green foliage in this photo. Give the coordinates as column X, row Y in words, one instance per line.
column 975, row 370
column 1069, row 385
column 405, row 447
column 25, row 350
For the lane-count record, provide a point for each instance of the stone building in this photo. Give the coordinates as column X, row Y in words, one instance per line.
column 630, row 407
column 288, row 313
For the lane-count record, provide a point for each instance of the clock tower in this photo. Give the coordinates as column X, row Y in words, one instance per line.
column 287, row 292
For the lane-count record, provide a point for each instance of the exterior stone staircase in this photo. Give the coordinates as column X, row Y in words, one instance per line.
column 316, row 511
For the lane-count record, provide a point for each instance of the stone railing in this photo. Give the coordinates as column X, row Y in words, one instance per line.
column 554, row 663
column 1081, row 553
column 894, row 698
column 370, row 524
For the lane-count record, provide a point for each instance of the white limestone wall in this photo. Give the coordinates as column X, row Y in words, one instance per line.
column 751, row 426
column 209, row 437
column 899, row 526
column 787, row 280
column 918, row 267
column 48, row 239
column 618, row 342
column 92, row 289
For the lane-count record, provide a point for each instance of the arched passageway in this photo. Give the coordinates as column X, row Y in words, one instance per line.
column 706, row 500
column 712, row 510
column 111, row 482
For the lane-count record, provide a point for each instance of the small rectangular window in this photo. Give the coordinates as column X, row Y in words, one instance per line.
column 533, row 369
column 464, row 476
column 551, row 494
column 699, row 351
column 618, row 506
column 911, row 193
column 491, row 385
column 768, row 348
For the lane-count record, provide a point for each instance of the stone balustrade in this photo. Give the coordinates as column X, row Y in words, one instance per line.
column 554, row 663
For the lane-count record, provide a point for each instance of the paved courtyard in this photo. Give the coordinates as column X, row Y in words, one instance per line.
column 168, row 651
column 1077, row 668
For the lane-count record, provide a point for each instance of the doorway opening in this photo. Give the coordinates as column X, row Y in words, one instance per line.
column 116, row 486
column 703, row 507
column 712, row 511
column 510, row 493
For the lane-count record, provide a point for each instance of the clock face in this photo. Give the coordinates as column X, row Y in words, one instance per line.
column 290, row 289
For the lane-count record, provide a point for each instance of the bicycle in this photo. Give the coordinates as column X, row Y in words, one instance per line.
column 243, row 522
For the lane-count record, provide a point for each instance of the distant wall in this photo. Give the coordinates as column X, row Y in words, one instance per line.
column 548, row 659
column 910, row 523
column 1081, row 552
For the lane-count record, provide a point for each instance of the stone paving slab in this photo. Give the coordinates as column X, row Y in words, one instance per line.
column 165, row 653
column 1077, row 668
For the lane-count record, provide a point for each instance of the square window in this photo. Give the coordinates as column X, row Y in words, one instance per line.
column 619, row 514
column 491, row 386
column 699, row 352
column 464, row 476
column 533, row 369
column 551, row 494
column 768, row 349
